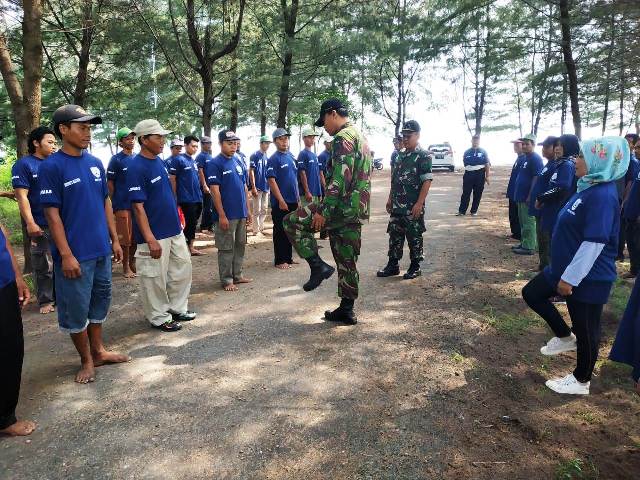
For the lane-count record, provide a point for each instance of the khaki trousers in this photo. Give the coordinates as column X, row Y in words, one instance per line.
column 231, row 244
column 165, row 282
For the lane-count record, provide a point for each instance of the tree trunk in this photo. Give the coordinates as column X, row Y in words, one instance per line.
column 622, row 93
column 400, row 112
column 563, row 105
column 570, row 65
column 233, row 100
column 263, row 116
column 283, row 101
column 88, row 28
column 607, row 84
column 207, row 103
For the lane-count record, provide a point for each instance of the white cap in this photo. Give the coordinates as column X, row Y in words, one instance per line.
column 176, row 142
column 150, row 127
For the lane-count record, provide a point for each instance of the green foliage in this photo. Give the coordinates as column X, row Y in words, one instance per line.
column 577, row 469
column 511, row 323
column 9, row 212
column 619, row 298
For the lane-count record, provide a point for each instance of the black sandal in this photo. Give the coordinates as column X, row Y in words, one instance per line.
column 169, row 326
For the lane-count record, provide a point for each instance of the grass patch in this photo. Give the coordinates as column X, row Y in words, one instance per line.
column 577, row 469
column 457, row 357
column 9, row 212
column 619, row 298
column 510, row 323
column 588, row 417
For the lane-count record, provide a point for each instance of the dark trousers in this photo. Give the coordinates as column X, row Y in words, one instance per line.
column 11, row 354
column 632, row 231
column 585, row 321
column 191, row 213
column 43, row 267
column 282, row 249
column 622, row 238
column 544, row 246
column 472, row 182
column 514, row 221
column 206, row 221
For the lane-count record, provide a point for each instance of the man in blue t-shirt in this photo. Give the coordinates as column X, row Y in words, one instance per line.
column 397, row 146
column 117, row 183
column 185, row 182
column 309, row 174
column 283, row 183
column 476, row 174
column 530, row 167
column 176, row 147
column 206, row 219
column 24, row 179
column 74, row 195
column 163, row 260
column 227, row 181
column 514, row 222
column 14, row 295
column 259, row 184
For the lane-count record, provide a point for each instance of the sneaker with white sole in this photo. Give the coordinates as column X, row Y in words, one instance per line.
column 568, row 385
column 557, row 345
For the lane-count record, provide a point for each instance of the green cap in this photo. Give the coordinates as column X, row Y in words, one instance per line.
column 123, row 132
column 265, row 138
column 309, row 132
column 530, row 136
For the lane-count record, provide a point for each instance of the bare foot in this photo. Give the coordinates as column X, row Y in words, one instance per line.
column 21, row 428
column 47, row 308
column 129, row 274
column 243, row 280
column 103, row 358
column 86, row 374
column 283, row 266
column 230, row 288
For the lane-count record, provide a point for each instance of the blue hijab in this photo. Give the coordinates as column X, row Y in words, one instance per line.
column 607, row 160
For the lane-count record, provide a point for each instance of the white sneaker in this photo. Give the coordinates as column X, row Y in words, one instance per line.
column 559, row 345
column 568, row 385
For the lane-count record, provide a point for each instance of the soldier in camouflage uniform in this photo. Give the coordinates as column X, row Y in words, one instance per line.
column 410, row 181
column 341, row 211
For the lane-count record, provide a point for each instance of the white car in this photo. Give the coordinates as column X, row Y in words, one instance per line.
column 442, row 156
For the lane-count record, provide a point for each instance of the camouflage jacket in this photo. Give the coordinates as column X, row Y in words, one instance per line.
column 410, row 171
column 348, row 177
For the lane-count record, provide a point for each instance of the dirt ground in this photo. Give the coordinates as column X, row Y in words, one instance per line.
column 441, row 378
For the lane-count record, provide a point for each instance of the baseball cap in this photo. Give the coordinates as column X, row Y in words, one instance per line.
column 550, row 140
column 150, row 126
column 280, row 132
column 176, row 142
column 411, row 126
column 265, row 139
column 205, row 139
column 74, row 113
column 328, row 106
column 227, row 135
column 528, row 137
column 123, row 132
column 309, row 132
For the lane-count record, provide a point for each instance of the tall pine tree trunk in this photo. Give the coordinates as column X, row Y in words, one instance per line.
column 88, row 28
column 263, row 116
column 570, row 65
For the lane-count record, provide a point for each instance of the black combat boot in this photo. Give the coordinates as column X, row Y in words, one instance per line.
column 390, row 269
column 414, row 270
column 319, row 271
column 342, row 314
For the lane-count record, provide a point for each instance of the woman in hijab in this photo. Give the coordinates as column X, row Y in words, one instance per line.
column 583, row 251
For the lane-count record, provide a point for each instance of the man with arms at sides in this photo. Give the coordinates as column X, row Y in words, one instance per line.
column 206, row 219
column 309, row 174
column 260, row 184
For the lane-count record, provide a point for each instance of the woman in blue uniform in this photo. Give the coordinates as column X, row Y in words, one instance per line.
column 583, row 252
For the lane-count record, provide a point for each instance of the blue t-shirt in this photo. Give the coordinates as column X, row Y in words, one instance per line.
column 117, row 173
column 323, row 159
column 562, row 174
column 530, row 166
column 592, row 215
column 202, row 158
column 185, row 169
column 229, row 175
column 394, row 157
column 308, row 162
column 474, row 157
column 77, row 186
column 282, row 167
column 632, row 205
column 542, row 181
column 258, row 162
column 7, row 275
column 511, row 186
column 148, row 183
column 24, row 174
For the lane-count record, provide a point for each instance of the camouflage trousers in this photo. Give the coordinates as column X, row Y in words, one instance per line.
column 344, row 238
column 401, row 226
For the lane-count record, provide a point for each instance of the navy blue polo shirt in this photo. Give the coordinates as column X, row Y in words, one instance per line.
column 540, row 187
column 117, row 173
column 148, row 183
column 229, row 175
column 7, row 275
column 308, row 163
column 530, row 166
column 282, row 167
column 561, row 175
column 475, row 157
column 24, row 174
column 185, row 169
column 511, row 187
column 592, row 215
column 258, row 163
column 202, row 158
column 77, row 186
column 323, row 159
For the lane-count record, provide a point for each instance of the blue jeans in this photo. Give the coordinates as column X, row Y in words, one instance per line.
column 86, row 299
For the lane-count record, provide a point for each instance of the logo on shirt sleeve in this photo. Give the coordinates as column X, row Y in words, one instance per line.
column 575, row 206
